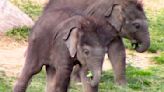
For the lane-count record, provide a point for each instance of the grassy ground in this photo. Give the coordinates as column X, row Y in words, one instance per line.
column 156, row 27
column 139, row 80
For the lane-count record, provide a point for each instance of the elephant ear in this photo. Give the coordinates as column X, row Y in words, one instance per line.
column 110, row 9
column 115, row 17
column 71, row 41
column 70, row 29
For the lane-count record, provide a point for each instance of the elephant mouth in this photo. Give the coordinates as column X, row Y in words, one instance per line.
column 140, row 46
column 91, row 79
column 134, row 44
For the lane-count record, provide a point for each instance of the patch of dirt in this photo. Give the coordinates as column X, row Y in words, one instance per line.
column 154, row 4
column 140, row 60
column 12, row 57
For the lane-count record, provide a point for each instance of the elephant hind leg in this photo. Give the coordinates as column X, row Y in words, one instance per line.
column 31, row 67
column 117, row 56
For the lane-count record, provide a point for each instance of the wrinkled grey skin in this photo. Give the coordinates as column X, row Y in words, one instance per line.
column 59, row 42
column 128, row 18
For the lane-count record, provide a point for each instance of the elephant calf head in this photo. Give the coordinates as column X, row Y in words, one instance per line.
column 82, row 38
column 128, row 17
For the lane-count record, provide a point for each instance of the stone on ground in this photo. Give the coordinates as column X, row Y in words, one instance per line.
column 12, row 17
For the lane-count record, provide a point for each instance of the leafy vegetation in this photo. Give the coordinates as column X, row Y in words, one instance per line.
column 156, row 27
column 38, row 83
column 5, row 82
column 19, row 33
column 30, row 8
column 159, row 59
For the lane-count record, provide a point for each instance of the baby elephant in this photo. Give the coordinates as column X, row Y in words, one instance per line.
column 58, row 43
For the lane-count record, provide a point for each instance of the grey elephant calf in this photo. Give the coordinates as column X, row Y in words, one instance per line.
column 59, row 42
column 129, row 20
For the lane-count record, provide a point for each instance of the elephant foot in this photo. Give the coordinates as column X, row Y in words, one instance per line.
column 19, row 88
column 122, row 82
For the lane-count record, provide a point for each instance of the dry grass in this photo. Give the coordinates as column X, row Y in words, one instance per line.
column 40, row 2
column 154, row 4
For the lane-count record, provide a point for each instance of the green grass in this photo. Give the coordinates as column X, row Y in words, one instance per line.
column 38, row 82
column 5, row 82
column 32, row 9
column 19, row 34
column 156, row 28
column 159, row 59
column 139, row 80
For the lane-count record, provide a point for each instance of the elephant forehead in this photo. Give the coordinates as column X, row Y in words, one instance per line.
column 96, row 50
column 90, row 40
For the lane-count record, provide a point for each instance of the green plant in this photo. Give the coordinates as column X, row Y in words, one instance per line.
column 5, row 82
column 30, row 8
column 159, row 59
column 38, row 83
column 139, row 80
column 19, row 33
column 127, row 44
column 156, row 27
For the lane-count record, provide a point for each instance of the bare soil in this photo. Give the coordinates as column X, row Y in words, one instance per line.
column 140, row 60
column 12, row 57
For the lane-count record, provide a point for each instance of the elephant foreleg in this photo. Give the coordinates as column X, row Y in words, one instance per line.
column 51, row 72
column 62, row 79
column 117, row 56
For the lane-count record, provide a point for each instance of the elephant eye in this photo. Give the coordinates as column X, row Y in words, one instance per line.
column 136, row 25
column 86, row 51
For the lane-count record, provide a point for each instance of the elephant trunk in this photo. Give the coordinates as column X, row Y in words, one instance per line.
column 143, row 47
column 96, row 70
column 96, row 78
column 143, row 43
